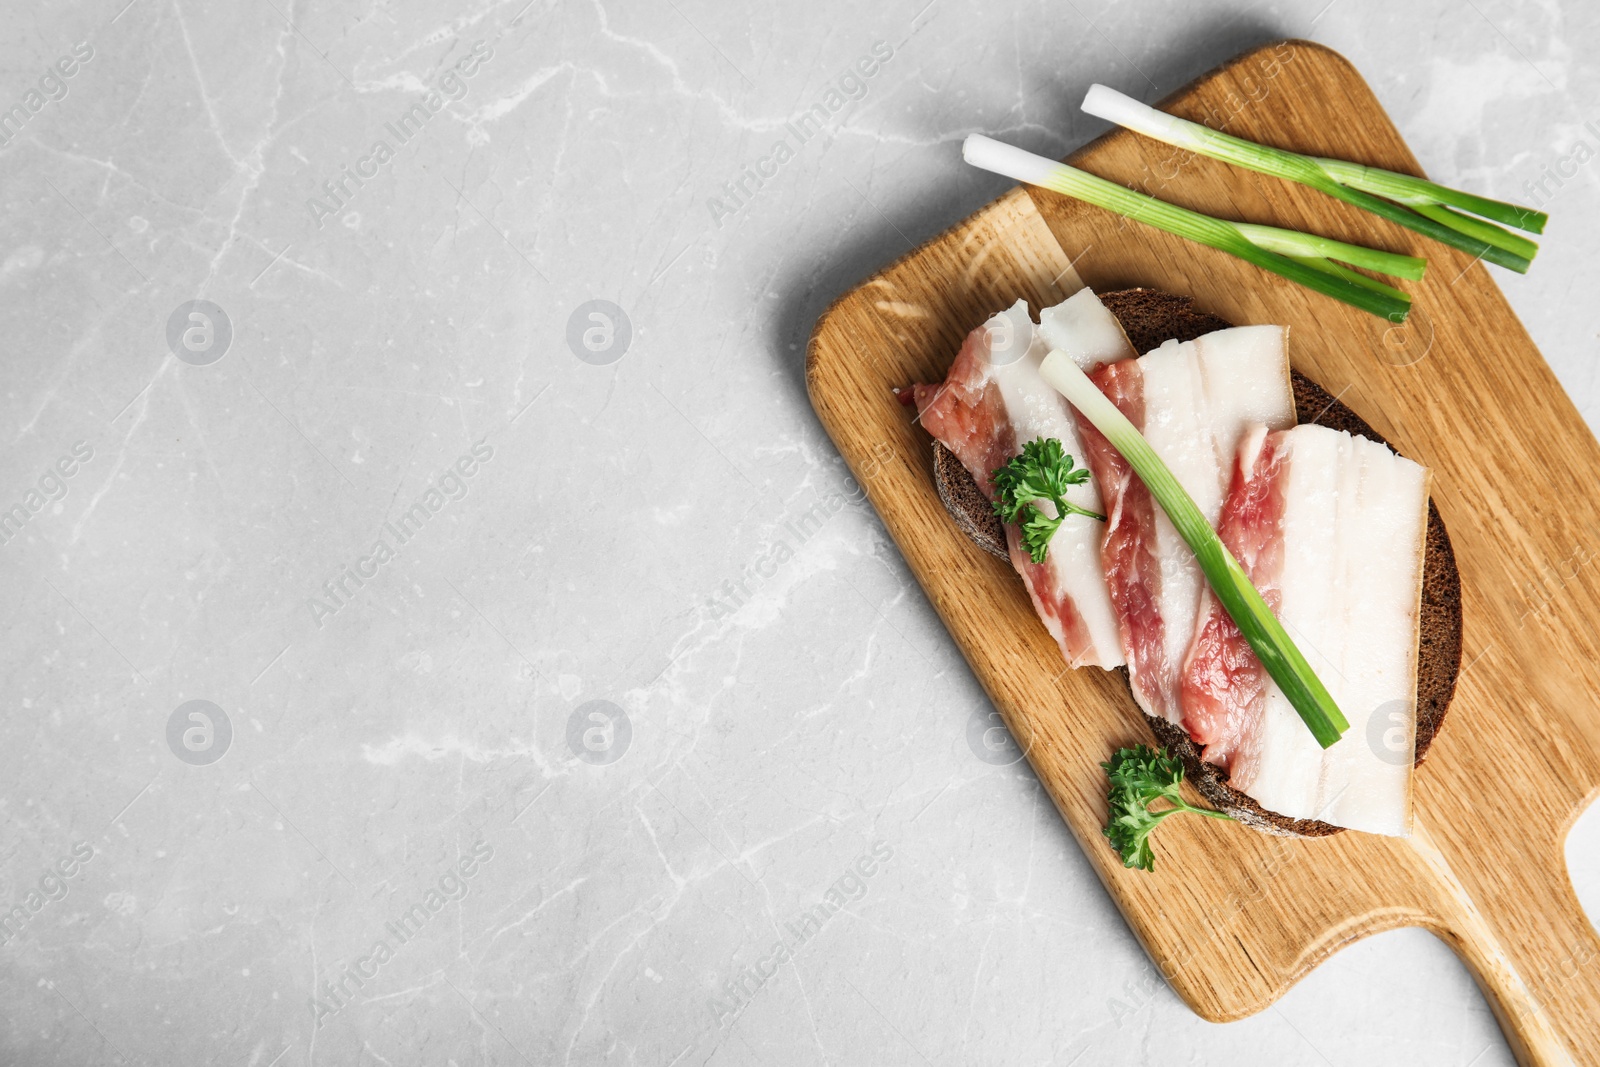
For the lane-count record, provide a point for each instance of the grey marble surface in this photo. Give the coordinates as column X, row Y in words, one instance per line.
column 535, row 745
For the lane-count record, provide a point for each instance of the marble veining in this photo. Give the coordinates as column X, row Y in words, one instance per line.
column 438, row 629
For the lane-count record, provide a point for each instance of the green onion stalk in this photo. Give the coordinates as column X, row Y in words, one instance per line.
column 1233, row 589
column 1316, row 262
column 1430, row 209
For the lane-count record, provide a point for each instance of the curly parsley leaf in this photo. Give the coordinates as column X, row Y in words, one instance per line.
column 1139, row 777
column 1041, row 472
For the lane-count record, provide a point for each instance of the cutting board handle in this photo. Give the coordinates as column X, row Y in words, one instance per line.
column 1536, row 985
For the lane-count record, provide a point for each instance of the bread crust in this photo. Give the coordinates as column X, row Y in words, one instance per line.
column 966, row 503
column 1149, row 317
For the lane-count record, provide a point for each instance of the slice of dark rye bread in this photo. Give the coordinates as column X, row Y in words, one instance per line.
column 1149, row 317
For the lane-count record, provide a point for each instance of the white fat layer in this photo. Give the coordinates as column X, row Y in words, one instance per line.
column 1083, row 328
column 1038, row 411
column 1353, row 529
column 1200, row 396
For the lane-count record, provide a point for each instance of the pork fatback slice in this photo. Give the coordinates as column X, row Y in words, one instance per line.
column 1193, row 401
column 993, row 402
column 1331, row 529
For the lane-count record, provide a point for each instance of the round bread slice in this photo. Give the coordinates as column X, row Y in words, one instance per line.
column 1150, row 317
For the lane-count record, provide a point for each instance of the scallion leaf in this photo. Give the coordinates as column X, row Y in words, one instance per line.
column 1304, row 258
column 1266, row 635
column 1415, row 203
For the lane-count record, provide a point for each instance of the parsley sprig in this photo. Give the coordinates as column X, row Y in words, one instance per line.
column 1043, row 471
column 1140, row 776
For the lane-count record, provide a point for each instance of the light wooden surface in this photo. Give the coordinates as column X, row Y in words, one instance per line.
column 1231, row 917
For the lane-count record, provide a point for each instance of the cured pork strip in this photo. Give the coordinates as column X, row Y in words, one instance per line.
column 1192, row 401
column 992, row 403
column 1331, row 529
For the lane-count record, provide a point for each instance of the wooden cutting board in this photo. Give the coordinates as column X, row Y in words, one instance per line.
column 1231, row 917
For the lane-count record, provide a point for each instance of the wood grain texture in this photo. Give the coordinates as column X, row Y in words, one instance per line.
column 1233, row 918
